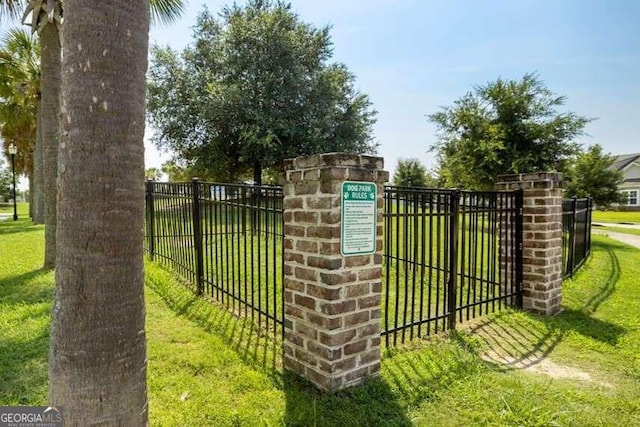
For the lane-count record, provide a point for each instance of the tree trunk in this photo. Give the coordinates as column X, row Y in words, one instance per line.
column 50, row 63
column 38, row 179
column 30, row 199
column 257, row 173
column 98, row 344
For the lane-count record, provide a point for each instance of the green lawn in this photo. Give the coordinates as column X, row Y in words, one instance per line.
column 206, row 367
column 7, row 208
column 616, row 217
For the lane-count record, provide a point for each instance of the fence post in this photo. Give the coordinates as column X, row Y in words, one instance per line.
column 454, row 208
column 151, row 229
column 197, row 234
column 542, row 238
column 588, row 226
column 572, row 235
column 332, row 299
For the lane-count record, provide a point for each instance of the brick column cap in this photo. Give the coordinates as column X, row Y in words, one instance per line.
column 548, row 180
column 335, row 159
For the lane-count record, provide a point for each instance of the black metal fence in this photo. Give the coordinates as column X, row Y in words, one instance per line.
column 225, row 239
column 576, row 234
column 449, row 256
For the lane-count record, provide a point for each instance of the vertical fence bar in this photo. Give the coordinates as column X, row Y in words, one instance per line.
column 397, row 265
column 572, row 250
column 440, row 274
column 197, row 234
column 414, row 258
column 282, row 308
column 482, row 250
column 430, row 290
column 405, row 261
column 388, row 211
column 589, row 213
column 151, row 228
column 453, row 257
column 519, row 246
column 464, row 246
column 423, row 241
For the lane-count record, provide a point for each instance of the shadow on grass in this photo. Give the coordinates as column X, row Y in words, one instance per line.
column 23, row 364
column 424, row 370
column 255, row 346
column 611, row 244
column 373, row 403
column 610, row 285
column 516, row 345
column 522, row 345
column 21, row 226
column 14, row 289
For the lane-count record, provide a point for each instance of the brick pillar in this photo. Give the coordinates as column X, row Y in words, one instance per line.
column 332, row 302
column 542, row 238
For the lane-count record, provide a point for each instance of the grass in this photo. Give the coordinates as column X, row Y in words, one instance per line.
column 616, row 216
column 26, row 292
column 207, row 367
column 22, row 209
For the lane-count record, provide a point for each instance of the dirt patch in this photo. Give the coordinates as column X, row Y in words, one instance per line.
column 543, row 366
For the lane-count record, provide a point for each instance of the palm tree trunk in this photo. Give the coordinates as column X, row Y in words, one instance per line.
column 30, row 199
column 50, row 63
column 98, row 344
column 38, row 178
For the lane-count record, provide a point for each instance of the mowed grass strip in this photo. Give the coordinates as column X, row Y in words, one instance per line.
column 207, row 367
column 616, row 216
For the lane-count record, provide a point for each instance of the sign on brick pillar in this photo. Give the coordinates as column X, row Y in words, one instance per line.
column 542, row 238
column 332, row 290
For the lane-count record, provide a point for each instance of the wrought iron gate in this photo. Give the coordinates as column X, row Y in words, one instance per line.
column 449, row 256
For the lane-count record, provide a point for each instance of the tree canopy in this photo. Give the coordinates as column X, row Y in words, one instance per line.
column 592, row 175
column 5, row 182
column 255, row 87
column 19, row 94
column 504, row 127
column 411, row 173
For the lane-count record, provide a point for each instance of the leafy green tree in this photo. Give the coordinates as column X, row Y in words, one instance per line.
column 46, row 17
column 411, row 173
column 152, row 174
column 592, row 175
column 19, row 94
column 255, row 87
column 180, row 171
column 20, row 98
column 504, row 127
column 5, row 182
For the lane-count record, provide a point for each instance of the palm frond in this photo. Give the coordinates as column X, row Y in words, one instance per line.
column 166, row 11
column 11, row 8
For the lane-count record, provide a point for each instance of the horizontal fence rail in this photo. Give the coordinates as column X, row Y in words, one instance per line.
column 449, row 256
column 225, row 239
column 576, row 234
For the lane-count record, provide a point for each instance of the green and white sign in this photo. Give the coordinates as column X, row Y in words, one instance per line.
column 358, row 225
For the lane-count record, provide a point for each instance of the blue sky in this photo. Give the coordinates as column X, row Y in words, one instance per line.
column 413, row 56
